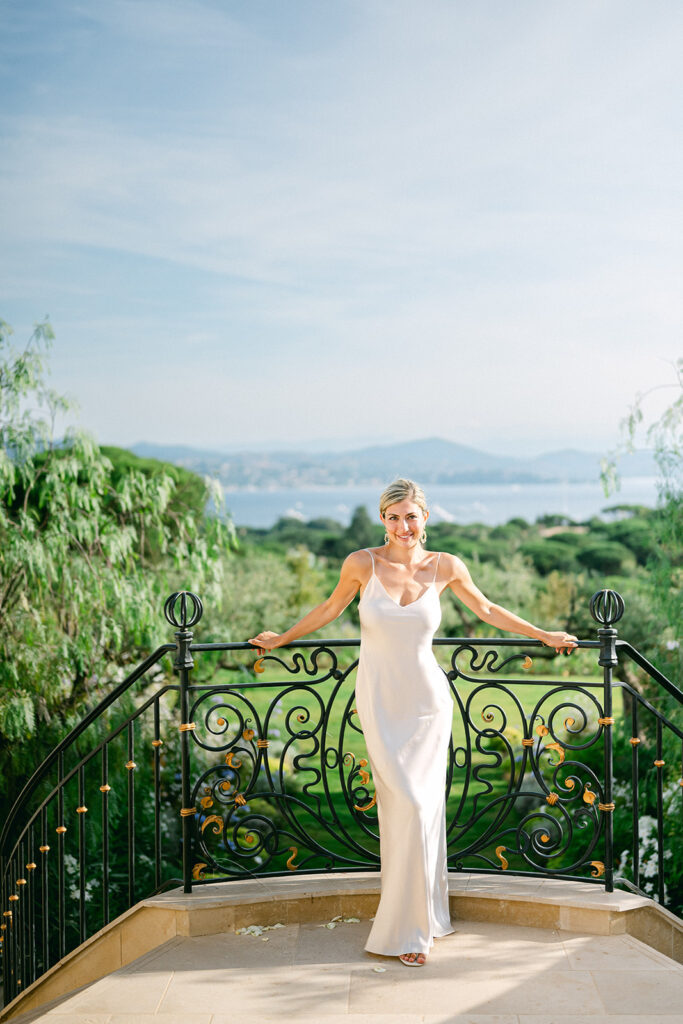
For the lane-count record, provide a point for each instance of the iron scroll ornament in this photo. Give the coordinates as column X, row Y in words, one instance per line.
column 183, row 621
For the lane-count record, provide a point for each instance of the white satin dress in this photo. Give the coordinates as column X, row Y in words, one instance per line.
column 406, row 712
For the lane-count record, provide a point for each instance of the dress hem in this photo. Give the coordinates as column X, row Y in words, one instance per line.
column 396, row 951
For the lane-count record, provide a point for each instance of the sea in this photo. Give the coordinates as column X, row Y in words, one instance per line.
column 491, row 504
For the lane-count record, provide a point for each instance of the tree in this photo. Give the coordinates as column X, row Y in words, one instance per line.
column 88, row 553
column 664, row 586
column 361, row 531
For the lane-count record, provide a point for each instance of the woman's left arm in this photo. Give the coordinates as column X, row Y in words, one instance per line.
column 465, row 589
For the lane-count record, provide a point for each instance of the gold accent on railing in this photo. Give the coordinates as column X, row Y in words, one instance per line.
column 659, row 764
column 216, row 821
column 198, row 871
column 263, row 744
column 569, row 722
column 500, row 850
column 221, row 721
column 364, row 776
column 606, row 807
column 230, row 760
column 157, row 743
column 105, row 789
column 598, row 868
column 60, row 830
column 542, row 730
column 368, row 807
column 82, row 810
column 569, row 783
column 249, row 734
column 290, row 863
column 31, row 866
column 187, row 812
column 240, row 800
column 6, row 913
column 552, row 799
column 130, row 765
column 545, row 838
column 206, row 802
column 187, row 726
column 528, row 743
column 606, row 721
column 589, row 797
column 43, row 849
column 557, row 747
column 258, row 666
column 13, row 898
column 363, row 763
column 527, row 663
column 21, row 881
column 634, row 741
column 225, row 786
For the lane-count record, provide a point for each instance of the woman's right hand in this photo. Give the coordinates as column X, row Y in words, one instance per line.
column 266, row 641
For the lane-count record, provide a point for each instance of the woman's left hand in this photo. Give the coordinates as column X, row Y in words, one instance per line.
column 561, row 641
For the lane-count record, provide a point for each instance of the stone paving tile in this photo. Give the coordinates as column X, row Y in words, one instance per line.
column 483, row 991
column 476, row 945
column 162, row 1018
column 75, row 1018
column 118, row 993
column 222, row 952
column 641, row 991
column 469, row 1018
column 343, row 1018
column 617, row 1018
column 288, row 991
column 613, row 953
column 53, row 1016
column 341, row 945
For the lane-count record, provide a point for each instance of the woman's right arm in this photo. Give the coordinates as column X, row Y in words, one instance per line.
column 354, row 572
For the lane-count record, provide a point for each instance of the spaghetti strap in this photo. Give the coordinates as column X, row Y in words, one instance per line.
column 372, row 557
column 436, row 567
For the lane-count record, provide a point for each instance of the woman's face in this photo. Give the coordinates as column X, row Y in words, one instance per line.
column 404, row 523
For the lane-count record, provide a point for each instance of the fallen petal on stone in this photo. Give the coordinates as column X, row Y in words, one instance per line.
column 379, row 970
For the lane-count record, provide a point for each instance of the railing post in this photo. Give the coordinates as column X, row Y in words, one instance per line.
column 4, row 930
column 184, row 664
column 607, row 607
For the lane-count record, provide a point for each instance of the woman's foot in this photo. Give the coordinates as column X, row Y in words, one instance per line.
column 413, row 959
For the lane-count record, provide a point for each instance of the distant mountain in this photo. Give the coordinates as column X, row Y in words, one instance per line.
column 431, row 460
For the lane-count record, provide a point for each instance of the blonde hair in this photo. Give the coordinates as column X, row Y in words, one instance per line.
column 399, row 491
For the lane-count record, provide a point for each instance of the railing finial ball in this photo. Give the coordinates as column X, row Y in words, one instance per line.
column 177, row 612
column 607, row 607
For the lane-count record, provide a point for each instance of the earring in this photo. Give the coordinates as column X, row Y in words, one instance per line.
column 423, row 537
column 386, row 538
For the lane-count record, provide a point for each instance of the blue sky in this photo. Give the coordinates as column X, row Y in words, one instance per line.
column 338, row 222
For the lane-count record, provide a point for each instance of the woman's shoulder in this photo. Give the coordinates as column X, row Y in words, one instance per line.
column 363, row 554
column 450, row 566
column 360, row 560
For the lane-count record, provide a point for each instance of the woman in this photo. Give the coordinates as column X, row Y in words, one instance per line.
column 405, row 709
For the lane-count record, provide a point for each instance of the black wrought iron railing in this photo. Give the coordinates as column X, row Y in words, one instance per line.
column 237, row 770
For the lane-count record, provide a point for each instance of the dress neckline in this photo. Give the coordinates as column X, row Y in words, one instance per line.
column 393, row 599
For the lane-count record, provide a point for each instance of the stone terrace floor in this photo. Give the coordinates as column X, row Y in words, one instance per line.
column 482, row 974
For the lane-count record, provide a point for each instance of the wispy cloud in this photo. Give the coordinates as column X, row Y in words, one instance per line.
column 470, row 202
